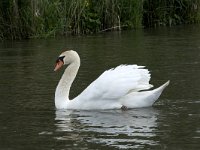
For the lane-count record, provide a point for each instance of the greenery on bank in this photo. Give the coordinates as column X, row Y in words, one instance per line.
column 45, row 18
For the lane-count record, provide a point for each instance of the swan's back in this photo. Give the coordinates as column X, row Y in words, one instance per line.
column 117, row 82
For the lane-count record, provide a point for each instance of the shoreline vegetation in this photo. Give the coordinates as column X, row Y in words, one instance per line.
column 24, row 19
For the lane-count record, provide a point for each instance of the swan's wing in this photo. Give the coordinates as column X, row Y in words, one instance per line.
column 117, row 82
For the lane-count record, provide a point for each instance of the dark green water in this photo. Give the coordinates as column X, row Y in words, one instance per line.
column 28, row 119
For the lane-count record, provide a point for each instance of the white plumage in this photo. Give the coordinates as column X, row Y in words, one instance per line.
column 115, row 88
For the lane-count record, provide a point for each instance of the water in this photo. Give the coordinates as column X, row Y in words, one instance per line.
column 28, row 119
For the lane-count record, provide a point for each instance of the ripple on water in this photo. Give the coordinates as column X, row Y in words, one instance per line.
column 131, row 129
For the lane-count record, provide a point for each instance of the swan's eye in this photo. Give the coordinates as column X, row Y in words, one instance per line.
column 60, row 59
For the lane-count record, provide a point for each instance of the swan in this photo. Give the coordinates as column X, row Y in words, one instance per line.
column 123, row 87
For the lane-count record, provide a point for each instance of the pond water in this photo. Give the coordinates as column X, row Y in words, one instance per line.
column 29, row 120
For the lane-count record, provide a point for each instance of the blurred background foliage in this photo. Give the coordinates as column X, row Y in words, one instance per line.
column 20, row 19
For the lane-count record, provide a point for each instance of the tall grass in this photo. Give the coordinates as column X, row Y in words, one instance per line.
column 46, row 18
column 170, row 12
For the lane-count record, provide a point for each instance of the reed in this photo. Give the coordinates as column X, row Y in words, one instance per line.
column 168, row 13
column 48, row 18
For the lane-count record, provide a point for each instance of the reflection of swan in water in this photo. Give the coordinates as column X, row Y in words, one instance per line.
column 129, row 129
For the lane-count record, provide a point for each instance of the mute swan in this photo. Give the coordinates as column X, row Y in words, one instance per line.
column 121, row 87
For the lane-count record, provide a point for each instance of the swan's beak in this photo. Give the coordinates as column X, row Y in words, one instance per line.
column 59, row 64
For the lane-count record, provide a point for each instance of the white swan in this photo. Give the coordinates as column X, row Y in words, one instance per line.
column 120, row 87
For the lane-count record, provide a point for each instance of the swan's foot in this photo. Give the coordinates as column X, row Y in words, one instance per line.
column 124, row 108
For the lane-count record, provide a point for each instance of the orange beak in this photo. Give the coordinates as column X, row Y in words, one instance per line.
column 59, row 64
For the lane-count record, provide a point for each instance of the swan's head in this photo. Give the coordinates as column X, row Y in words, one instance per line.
column 66, row 58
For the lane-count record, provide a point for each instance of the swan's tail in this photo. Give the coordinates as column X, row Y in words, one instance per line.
column 155, row 94
column 144, row 98
column 162, row 87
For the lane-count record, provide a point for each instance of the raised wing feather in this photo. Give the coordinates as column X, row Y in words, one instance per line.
column 117, row 82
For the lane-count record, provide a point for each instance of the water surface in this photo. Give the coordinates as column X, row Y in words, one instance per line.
column 28, row 119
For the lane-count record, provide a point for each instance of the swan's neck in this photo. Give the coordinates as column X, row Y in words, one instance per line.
column 63, row 88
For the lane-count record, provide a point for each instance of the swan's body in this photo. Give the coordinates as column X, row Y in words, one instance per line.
column 114, row 89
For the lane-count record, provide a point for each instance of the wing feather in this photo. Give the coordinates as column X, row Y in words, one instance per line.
column 117, row 82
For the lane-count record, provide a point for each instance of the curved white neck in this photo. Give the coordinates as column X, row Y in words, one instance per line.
column 63, row 87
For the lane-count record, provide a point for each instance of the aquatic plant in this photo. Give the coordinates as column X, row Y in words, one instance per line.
column 49, row 18
column 168, row 13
